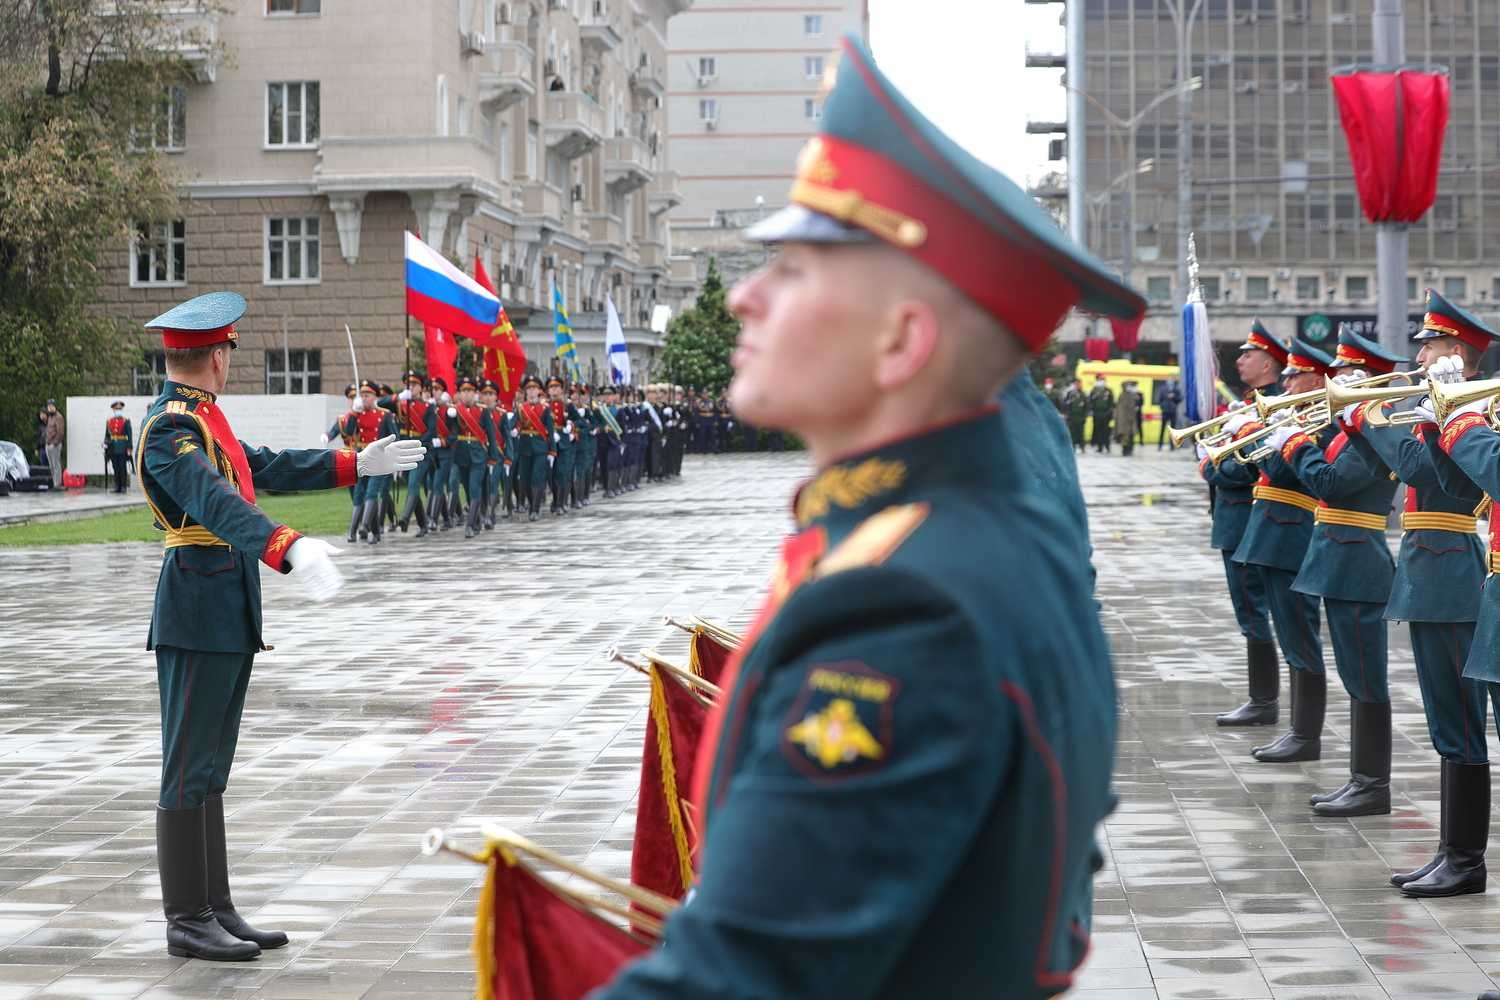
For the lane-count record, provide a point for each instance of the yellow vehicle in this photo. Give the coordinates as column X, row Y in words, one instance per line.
column 1116, row 373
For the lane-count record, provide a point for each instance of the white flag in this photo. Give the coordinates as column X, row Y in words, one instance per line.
column 614, row 345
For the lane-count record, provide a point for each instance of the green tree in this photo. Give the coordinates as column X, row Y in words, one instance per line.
column 700, row 340
column 82, row 88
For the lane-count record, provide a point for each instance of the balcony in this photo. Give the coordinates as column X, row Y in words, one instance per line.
column 543, row 200
column 574, row 124
column 606, row 230
column 628, row 164
column 189, row 33
column 653, row 255
column 402, row 163
column 598, row 33
column 507, row 77
column 647, row 81
column 663, row 191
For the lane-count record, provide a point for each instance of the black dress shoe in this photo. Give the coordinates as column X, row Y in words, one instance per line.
column 1329, row 796
column 1289, row 748
column 1251, row 713
column 1364, row 796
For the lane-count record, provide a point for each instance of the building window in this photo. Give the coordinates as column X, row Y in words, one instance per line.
column 168, row 123
column 708, row 68
column 812, row 67
column 1257, row 288
column 1456, row 289
column 442, row 105
column 292, row 247
column 160, row 253
column 812, row 110
column 1159, row 288
column 507, row 169
column 812, row 25
column 294, row 373
column 465, row 126
column 292, row 114
column 1494, row 289
column 1209, row 284
column 708, row 110
column 1356, row 288
column 1309, row 287
column 149, row 375
column 289, row 7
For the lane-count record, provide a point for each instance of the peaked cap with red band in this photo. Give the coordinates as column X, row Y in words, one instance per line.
column 1444, row 319
column 1355, row 351
column 1261, row 339
column 880, row 170
column 202, row 321
column 1304, row 357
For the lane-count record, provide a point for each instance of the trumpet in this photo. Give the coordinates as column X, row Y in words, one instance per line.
column 1267, row 405
column 1340, row 396
column 1309, row 418
column 1447, row 398
column 1202, row 428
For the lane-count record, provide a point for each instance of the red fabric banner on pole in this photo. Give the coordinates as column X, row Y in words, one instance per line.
column 1394, row 123
column 1127, row 332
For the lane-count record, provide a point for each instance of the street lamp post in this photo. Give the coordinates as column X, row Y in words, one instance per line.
column 1183, row 17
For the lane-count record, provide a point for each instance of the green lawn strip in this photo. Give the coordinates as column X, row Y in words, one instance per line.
column 324, row 513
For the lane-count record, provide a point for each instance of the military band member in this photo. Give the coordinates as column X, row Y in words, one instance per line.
column 1261, row 359
column 119, row 443
column 560, row 479
column 1348, row 565
column 200, row 482
column 897, row 711
column 1275, row 544
column 534, row 454
column 416, row 420
column 1440, row 576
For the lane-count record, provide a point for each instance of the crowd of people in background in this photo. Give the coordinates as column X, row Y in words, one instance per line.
column 1113, row 419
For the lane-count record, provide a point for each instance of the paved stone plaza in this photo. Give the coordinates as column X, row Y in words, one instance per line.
column 457, row 683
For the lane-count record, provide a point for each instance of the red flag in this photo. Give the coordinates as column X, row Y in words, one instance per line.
column 1127, row 332
column 504, row 358
column 708, row 657
column 661, row 857
column 442, row 355
column 531, row 942
column 1394, row 123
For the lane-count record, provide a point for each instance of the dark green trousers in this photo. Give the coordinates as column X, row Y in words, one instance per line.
column 202, row 696
column 1357, row 629
column 1295, row 619
column 1455, row 706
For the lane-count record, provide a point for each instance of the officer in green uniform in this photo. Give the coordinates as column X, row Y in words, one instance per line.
column 474, row 439
column 561, row 476
column 119, row 442
column 534, row 452
column 498, row 464
column 200, row 482
column 1348, row 565
column 582, row 415
column 1440, row 575
column 900, row 787
column 1260, row 361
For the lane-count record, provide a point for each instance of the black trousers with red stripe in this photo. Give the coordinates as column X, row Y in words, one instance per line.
column 202, row 696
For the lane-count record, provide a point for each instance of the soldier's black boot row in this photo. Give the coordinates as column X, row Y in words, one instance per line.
column 1265, row 687
column 1368, row 792
column 181, row 860
column 217, row 857
column 1304, row 740
column 1401, row 878
column 1466, row 808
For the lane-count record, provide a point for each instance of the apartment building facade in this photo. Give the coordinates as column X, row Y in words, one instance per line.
column 530, row 134
column 744, row 95
column 1279, row 230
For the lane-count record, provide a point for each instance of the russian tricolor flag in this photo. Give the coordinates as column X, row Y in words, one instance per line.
column 440, row 294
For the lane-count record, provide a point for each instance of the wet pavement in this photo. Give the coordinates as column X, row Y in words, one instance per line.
column 455, row 684
column 65, row 505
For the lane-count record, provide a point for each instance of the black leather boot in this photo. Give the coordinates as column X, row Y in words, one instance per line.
column 192, row 931
column 421, row 519
column 471, row 525
column 218, row 880
column 354, row 518
column 1401, row 878
column 1369, row 790
column 1265, row 685
column 1461, row 870
column 372, row 521
column 1304, row 741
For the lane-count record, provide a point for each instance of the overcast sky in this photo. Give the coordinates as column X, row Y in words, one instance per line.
column 963, row 63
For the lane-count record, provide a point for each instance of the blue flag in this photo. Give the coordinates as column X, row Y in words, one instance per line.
column 563, row 334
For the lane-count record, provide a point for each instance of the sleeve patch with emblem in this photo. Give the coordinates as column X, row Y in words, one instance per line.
column 185, row 444
column 840, row 725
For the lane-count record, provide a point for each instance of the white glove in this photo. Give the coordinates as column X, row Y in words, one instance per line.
column 358, row 405
column 568, row 427
column 1425, row 412
column 550, row 460
column 437, row 442
column 312, row 566
column 387, row 456
column 1202, row 451
column 1347, row 413
column 1238, row 404
column 1448, row 370
column 1234, row 423
column 322, row 438
column 1479, row 406
column 1280, row 436
column 404, row 395
column 1344, row 378
column 452, row 411
column 444, row 398
column 515, row 433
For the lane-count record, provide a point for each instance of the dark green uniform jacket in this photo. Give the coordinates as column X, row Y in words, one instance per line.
column 1232, row 483
column 1344, row 562
column 1039, row 435
column 1278, row 533
column 917, row 750
column 208, row 595
column 1472, row 447
column 1438, row 573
